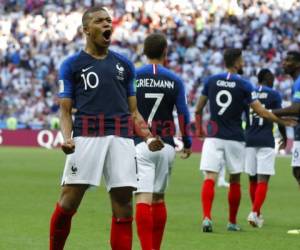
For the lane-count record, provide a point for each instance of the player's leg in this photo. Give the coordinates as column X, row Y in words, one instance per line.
column 265, row 169
column 159, row 214
column 211, row 160
column 143, row 213
column 251, row 170
column 234, row 198
column 121, row 225
column 252, row 187
column 144, row 220
column 81, row 170
column 163, row 169
column 60, row 225
column 121, row 179
column 235, row 158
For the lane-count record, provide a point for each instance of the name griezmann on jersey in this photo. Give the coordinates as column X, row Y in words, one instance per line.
column 152, row 83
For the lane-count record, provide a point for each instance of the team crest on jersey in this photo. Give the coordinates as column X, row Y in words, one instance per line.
column 120, row 72
column 74, row 169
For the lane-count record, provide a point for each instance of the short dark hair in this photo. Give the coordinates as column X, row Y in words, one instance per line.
column 154, row 45
column 86, row 15
column 262, row 74
column 295, row 54
column 231, row 55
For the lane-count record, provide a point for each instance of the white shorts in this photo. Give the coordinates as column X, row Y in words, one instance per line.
column 154, row 168
column 110, row 156
column 296, row 154
column 217, row 152
column 260, row 161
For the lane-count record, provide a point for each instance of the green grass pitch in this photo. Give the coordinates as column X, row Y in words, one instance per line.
column 29, row 188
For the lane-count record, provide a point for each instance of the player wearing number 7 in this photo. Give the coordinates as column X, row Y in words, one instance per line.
column 227, row 94
column 158, row 91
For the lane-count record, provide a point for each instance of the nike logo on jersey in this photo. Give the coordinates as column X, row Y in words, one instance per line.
column 86, row 69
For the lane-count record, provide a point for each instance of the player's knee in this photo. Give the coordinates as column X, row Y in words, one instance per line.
column 158, row 198
column 71, row 196
column 121, row 195
column 263, row 178
column 235, row 178
column 210, row 175
column 253, row 178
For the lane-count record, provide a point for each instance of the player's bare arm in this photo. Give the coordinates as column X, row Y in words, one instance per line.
column 264, row 113
column 198, row 114
column 66, row 125
column 293, row 110
column 140, row 127
column 283, row 140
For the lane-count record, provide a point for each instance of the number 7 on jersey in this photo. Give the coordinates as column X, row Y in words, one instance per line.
column 159, row 97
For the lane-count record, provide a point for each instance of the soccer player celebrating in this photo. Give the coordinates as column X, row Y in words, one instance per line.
column 260, row 153
column 158, row 91
column 291, row 66
column 99, row 83
column 227, row 94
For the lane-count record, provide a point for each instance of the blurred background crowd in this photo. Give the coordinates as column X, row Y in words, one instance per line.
column 36, row 35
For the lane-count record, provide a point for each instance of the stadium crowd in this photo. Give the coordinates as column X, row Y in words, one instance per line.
column 36, row 35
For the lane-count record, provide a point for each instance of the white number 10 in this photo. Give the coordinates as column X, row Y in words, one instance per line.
column 87, row 80
column 159, row 97
column 223, row 105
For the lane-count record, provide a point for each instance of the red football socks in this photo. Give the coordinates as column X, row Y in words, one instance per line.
column 234, row 197
column 260, row 196
column 207, row 197
column 252, row 190
column 143, row 218
column 121, row 234
column 60, row 226
column 159, row 215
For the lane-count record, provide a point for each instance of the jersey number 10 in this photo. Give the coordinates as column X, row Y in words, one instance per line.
column 91, row 76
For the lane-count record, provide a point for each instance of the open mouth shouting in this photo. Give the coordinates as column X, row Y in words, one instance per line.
column 107, row 35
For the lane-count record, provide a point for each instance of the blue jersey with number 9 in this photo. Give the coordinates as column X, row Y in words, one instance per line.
column 227, row 95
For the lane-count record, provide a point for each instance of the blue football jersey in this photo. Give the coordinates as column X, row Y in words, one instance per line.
column 99, row 89
column 158, row 91
column 259, row 131
column 227, row 93
column 296, row 98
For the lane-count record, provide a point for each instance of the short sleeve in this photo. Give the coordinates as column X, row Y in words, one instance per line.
column 65, row 80
column 205, row 88
column 250, row 92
